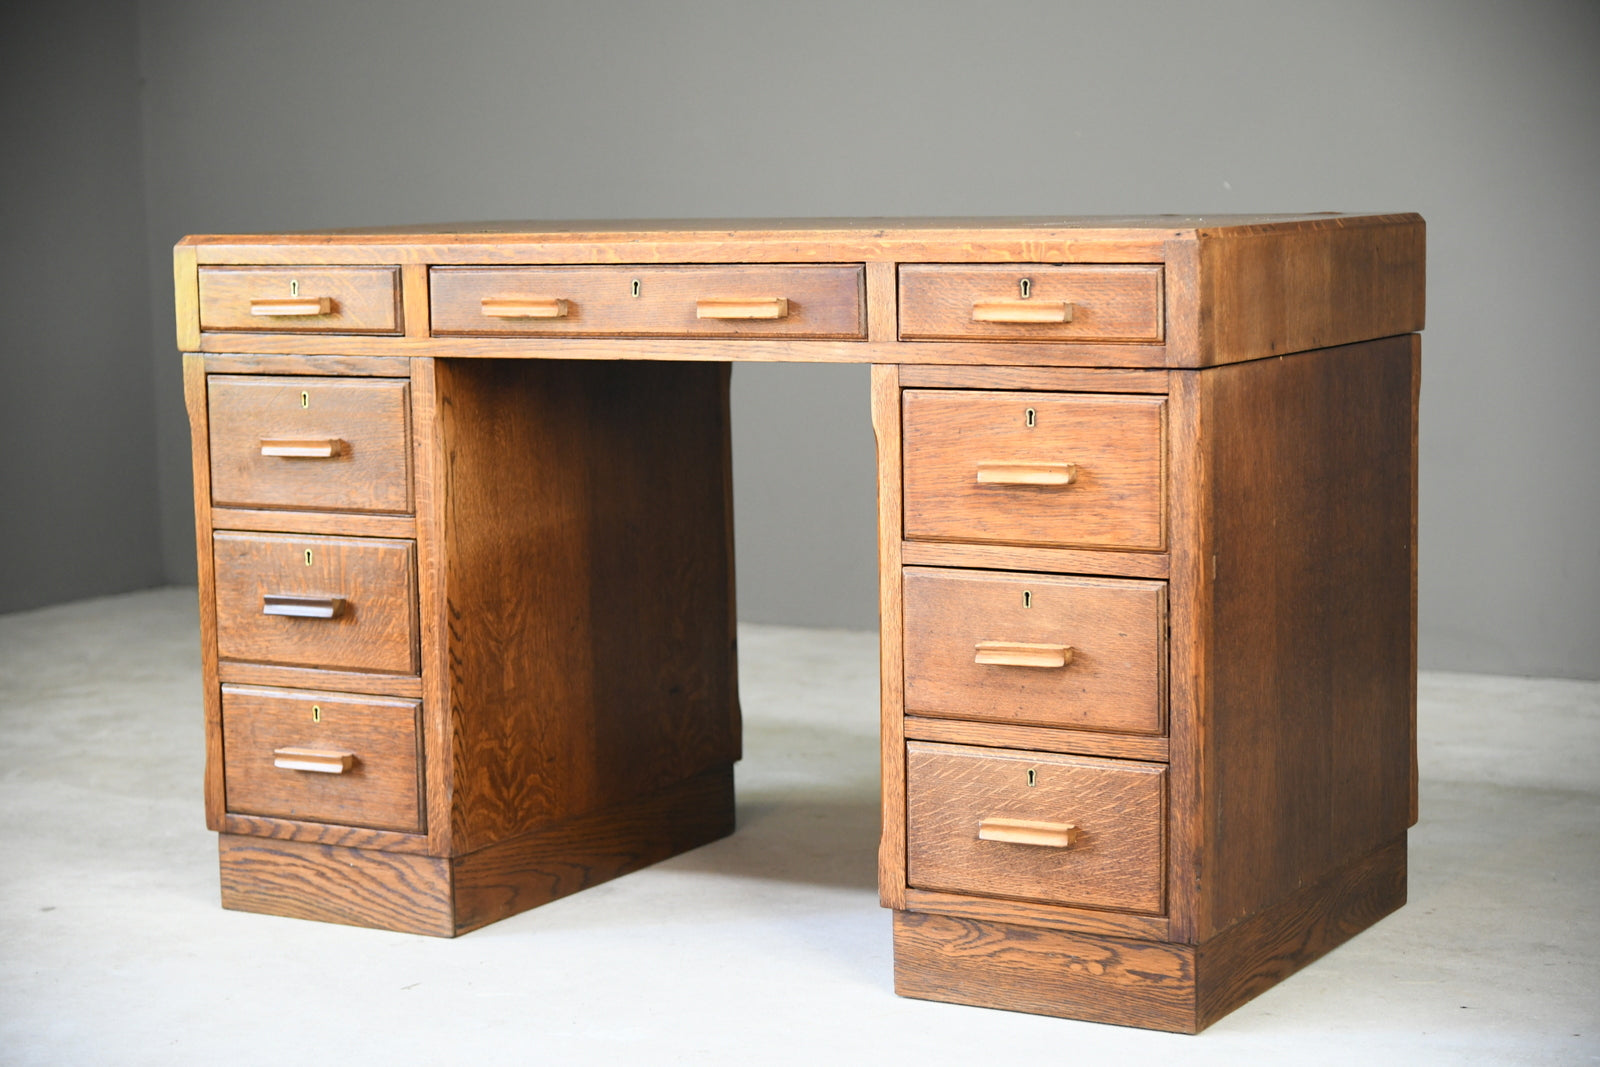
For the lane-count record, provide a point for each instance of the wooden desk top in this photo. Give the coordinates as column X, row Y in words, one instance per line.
column 1270, row 284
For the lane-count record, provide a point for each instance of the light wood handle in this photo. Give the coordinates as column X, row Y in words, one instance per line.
column 290, row 306
column 301, row 607
column 1021, row 311
column 766, row 307
column 519, row 308
column 1021, row 654
column 313, row 759
column 275, row 446
column 1040, row 474
column 1025, row 832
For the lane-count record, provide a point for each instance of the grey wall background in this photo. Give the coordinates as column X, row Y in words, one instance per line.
column 1484, row 116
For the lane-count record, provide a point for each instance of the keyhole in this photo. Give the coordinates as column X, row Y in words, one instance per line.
column 1031, row 418
column 308, row 557
column 294, row 287
column 316, row 713
column 305, row 399
column 1025, row 287
column 1027, row 598
column 636, row 287
column 1033, row 777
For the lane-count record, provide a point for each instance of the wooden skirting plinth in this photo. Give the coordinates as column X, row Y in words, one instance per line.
column 445, row 896
column 1158, row 985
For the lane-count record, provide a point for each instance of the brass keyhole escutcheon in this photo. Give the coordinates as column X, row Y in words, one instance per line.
column 1027, row 598
column 308, row 557
column 636, row 287
column 294, row 287
column 1031, row 417
column 316, row 713
column 1033, row 777
column 305, row 399
column 1025, row 288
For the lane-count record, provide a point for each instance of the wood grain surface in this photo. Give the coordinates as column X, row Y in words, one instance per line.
column 523, row 872
column 1041, row 916
column 194, row 399
column 1309, row 681
column 822, row 301
column 370, row 469
column 1044, row 379
column 1047, row 972
column 1118, row 807
column 360, row 299
column 1252, row 956
column 323, row 833
column 1037, row 738
column 1051, row 560
column 1114, row 442
column 1115, row 677
column 586, row 575
column 891, row 637
column 376, row 630
column 1266, row 292
column 382, row 788
column 357, row 887
column 1105, row 302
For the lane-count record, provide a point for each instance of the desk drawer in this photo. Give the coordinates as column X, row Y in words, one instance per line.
column 345, row 603
column 338, row 444
column 323, row 757
column 1035, row 649
column 1030, row 302
column 1034, row 468
column 744, row 300
column 1055, row 829
column 300, row 299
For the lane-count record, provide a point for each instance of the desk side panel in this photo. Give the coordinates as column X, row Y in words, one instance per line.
column 587, row 597
column 1309, row 680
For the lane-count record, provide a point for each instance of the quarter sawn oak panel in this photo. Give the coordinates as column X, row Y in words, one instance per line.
column 364, row 423
column 382, row 787
column 1114, row 677
column 1117, row 807
column 1114, row 445
column 373, row 629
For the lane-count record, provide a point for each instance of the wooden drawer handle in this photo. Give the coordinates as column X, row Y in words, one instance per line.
column 292, row 306
column 769, row 307
column 1021, row 311
column 1020, row 654
column 1040, row 474
column 524, row 308
column 313, row 759
column 301, row 607
column 1024, row 832
column 274, row 446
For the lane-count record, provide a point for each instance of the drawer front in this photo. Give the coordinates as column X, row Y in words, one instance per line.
column 300, row 300
column 334, row 444
column 1034, row 649
column 1031, row 302
column 746, row 300
column 346, row 603
column 323, row 757
column 1054, row 829
column 1034, row 468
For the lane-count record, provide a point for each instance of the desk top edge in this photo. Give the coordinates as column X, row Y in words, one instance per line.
column 590, row 231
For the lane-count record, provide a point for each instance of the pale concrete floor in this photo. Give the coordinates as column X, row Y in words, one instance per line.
column 766, row 947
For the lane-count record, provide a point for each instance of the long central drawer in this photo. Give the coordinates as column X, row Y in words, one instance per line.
column 745, row 300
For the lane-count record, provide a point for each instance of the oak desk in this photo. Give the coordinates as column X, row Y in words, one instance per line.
column 1147, row 557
